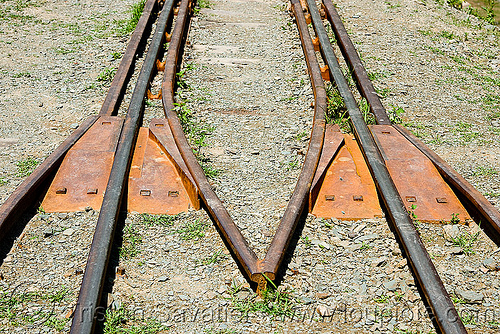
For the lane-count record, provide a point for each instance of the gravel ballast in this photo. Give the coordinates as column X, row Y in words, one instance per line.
column 246, row 81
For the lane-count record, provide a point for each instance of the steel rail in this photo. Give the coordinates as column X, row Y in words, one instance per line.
column 486, row 210
column 230, row 232
column 119, row 84
column 356, row 65
column 288, row 224
column 28, row 191
column 97, row 262
column 442, row 307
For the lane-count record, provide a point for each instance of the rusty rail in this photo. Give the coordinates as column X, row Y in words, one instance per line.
column 90, row 292
column 442, row 307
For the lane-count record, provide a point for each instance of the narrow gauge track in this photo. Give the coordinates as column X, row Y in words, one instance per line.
column 257, row 270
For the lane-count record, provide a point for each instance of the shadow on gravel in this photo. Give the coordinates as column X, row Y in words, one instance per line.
column 15, row 232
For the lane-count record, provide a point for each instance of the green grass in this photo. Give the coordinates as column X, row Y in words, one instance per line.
column 216, row 257
column 106, row 75
column 395, row 114
column 485, row 171
column 373, row 76
column 158, row 220
column 382, row 299
column 135, row 14
column 273, row 301
column 307, row 242
column 122, row 321
column 336, row 112
column 26, row 167
column 192, row 230
column 131, row 242
column 3, row 181
column 466, row 240
column 201, row 4
column 13, row 306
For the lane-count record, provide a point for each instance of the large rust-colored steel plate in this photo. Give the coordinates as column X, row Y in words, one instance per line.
column 347, row 191
column 155, row 185
column 416, row 179
column 82, row 178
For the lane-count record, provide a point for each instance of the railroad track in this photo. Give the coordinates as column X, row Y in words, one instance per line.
column 173, row 29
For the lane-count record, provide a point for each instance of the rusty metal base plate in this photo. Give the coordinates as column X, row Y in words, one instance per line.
column 159, row 182
column 155, row 185
column 416, row 179
column 83, row 175
column 344, row 189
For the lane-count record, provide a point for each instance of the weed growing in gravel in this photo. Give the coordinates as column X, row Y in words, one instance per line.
column 22, row 75
column 373, row 76
column 465, row 240
column 383, row 92
column 25, row 167
column 128, row 26
column 14, row 305
column 301, row 135
column 364, row 107
column 209, row 171
column 292, row 165
column 414, row 217
column 457, row 300
column 485, row 171
column 192, row 231
column 217, row 257
column 395, row 114
column 455, row 3
column 119, row 321
column 3, row 181
column 382, row 299
column 336, row 112
column 306, row 241
column 273, row 301
column 454, row 218
column 201, row 4
column 116, row 55
column 365, row 246
column 106, row 75
column 131, row 241
column 468, row 318
column 160, row 220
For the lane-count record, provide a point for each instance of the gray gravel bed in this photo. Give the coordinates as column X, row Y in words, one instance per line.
column 247, row 79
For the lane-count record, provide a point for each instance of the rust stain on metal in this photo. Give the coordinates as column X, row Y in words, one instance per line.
column 85, row 168
column 416, row 178
column 155, row 185
column 346, row 190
